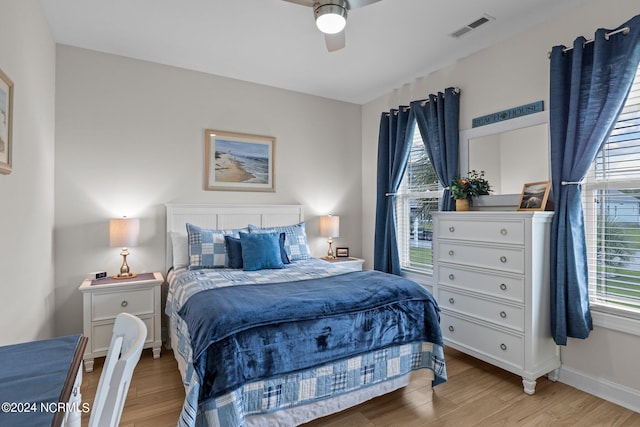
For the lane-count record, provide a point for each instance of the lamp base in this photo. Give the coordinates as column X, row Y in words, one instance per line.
column 129, row 276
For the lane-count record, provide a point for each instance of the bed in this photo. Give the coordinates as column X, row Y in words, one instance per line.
column 286, row 338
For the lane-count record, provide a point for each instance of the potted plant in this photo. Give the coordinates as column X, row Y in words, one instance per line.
column 463, row 190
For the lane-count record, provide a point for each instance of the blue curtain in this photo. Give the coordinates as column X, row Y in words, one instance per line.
column 394, row 146
column 438, row 121
column 589, row 85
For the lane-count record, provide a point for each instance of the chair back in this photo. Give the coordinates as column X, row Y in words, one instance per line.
column 129, row 335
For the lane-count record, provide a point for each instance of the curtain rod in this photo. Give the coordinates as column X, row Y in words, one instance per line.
column 623, row 30
column 423, row 102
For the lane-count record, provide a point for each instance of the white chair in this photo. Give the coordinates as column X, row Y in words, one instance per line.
column 129, row 335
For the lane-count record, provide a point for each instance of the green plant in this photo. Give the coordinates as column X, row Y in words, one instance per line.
column 471, row 186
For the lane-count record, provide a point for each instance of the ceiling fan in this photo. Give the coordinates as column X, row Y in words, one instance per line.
column 331, row 18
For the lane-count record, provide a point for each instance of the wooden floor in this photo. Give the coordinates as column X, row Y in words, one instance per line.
column 477, row 394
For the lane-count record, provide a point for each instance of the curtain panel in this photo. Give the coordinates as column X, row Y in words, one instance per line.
column 588, row 88
column 394, row 146
column 438, row 121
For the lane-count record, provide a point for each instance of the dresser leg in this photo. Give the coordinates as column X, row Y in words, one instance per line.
column 554, row 375
column 88, row 365
column 529, row 385
column 156, row 351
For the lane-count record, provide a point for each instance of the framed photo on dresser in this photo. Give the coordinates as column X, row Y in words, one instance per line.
column 535, row 196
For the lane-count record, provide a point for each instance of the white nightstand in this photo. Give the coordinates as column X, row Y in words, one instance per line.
column 351, row 263
column 104, row 299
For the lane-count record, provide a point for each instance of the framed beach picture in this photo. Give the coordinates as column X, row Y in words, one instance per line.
column 6, row 119
column 238, row 161
column 534, row 196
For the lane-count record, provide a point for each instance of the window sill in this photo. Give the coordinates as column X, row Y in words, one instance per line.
column 615, row 319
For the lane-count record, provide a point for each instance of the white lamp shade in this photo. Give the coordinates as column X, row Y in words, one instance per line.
column 329, row 226
column 331, row 17
column 124, row 232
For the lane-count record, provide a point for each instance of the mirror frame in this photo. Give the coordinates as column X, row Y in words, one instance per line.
column 498, row 127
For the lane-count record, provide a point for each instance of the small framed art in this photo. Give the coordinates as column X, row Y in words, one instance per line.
column 239, row 162
column 342, row 252
column 6, row 120
column 534, row 196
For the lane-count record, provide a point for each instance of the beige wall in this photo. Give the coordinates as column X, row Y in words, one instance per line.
column 513, row 73
column 130, row 138
column 27, row 56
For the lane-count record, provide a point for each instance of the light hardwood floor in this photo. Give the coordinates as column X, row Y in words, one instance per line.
column 477, row 394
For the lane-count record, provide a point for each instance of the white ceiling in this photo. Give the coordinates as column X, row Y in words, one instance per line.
column 276, row 43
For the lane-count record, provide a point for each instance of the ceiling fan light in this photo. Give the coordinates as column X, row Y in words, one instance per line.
column 331, row 18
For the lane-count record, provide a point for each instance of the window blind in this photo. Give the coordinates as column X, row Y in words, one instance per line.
column 611, row 200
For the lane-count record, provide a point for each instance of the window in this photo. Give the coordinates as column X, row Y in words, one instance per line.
column 611, row 200
column 418, row 196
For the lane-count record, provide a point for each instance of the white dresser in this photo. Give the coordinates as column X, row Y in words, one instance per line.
column 492, row 284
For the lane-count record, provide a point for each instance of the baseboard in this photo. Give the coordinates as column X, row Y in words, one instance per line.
column 602, row 388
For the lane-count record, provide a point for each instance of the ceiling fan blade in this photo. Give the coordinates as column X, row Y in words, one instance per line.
column 308, row 3
column 335, row 41
column 354, row 4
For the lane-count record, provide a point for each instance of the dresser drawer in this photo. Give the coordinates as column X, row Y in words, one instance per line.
column 507, row 287
column 509, row 231
column 491, row 311
column 101, row 335
column 497, row 258
column 490, row 342
column 109, row 305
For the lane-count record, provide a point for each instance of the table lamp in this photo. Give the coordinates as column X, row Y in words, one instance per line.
column 330, row 227
column 124, row 232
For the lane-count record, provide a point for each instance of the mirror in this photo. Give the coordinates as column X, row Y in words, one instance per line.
column 511, row 153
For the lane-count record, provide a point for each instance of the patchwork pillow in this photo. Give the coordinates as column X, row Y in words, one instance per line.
column 295, row 243
column 260, row 251
column 207, row 248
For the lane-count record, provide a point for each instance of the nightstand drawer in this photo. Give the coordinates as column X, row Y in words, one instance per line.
column 109, row 305
column 101, row 335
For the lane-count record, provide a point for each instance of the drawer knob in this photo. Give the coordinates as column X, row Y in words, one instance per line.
column 503, row 286
column 503, row 314
column 452, row 301
column 503, row 347
column 451, row 277
column 452, row 229
column 503, row 259
column 451, row 252
column 503, row 231
column 451, row 328
column 124, row 303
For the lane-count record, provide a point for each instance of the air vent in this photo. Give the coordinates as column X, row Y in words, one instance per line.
column 472, row 26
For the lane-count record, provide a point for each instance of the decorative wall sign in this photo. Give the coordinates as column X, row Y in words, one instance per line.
column 512, row 113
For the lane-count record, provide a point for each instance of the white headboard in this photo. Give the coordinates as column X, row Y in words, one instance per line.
column 220, row 216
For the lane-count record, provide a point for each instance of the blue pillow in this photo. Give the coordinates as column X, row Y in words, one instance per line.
column 296, row 242
column 260, row 251
column 234, row 251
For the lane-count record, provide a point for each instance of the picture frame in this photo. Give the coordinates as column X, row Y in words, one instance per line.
column 342, row 252
column 534, row 196
column 239, row 161
column 6, row 123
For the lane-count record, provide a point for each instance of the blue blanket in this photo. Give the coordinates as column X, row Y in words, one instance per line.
column 242, row 334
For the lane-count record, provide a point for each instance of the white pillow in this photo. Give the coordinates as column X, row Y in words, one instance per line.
column 180, row 249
